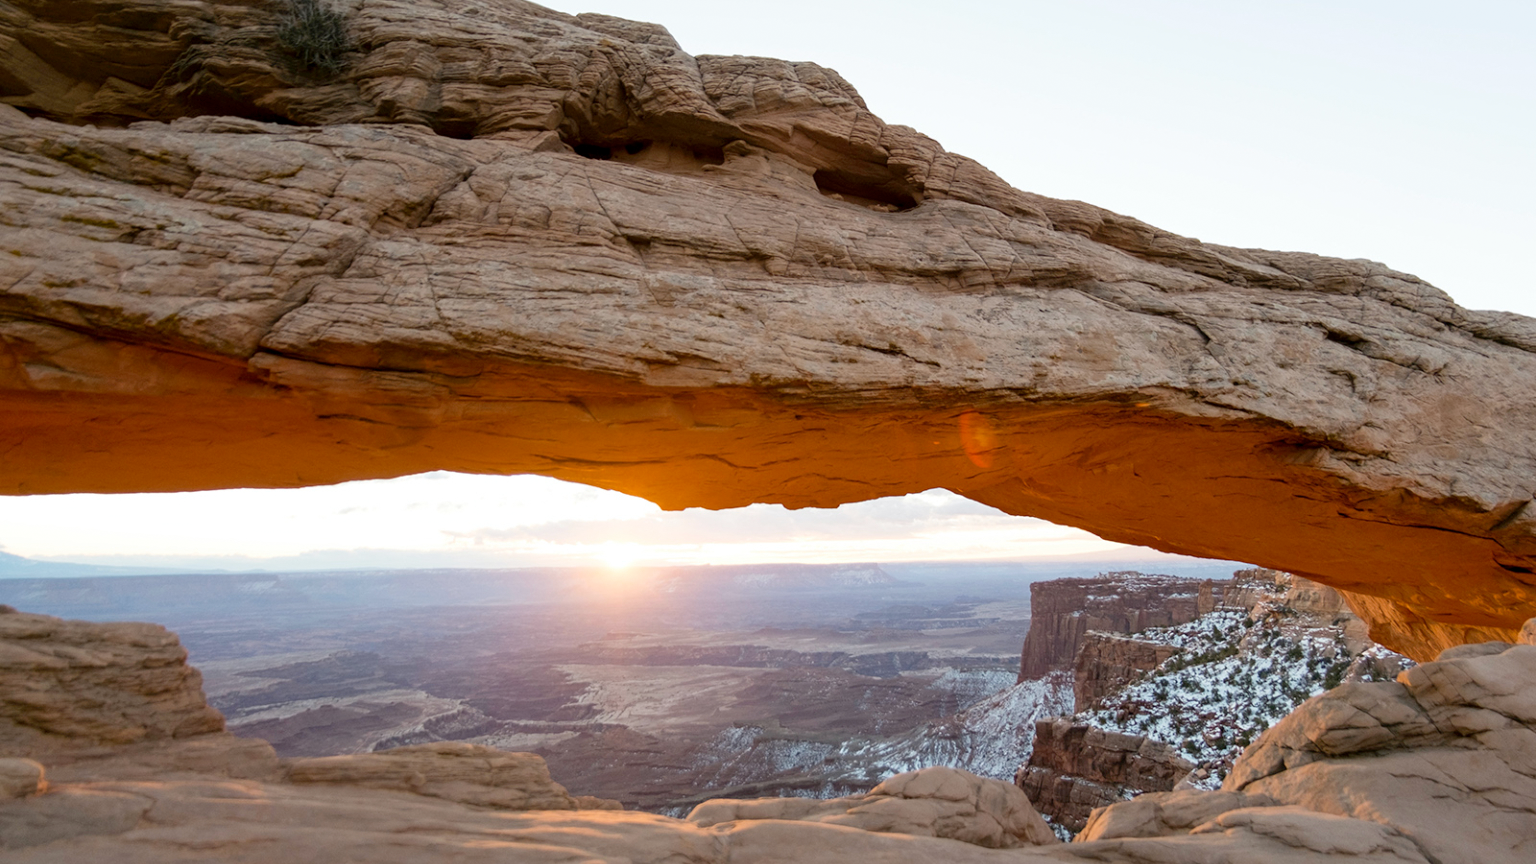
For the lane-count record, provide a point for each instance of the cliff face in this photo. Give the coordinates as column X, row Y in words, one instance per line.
column 1076, row 768
column 70, row 686
column 1210, row 686
column 1250, row 586
column 491, row 237
column 1440, row 758
column 1063, row 611
column 1107, row 662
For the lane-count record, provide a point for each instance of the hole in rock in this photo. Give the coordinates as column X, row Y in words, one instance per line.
column 890, row 196
column 1347, row 340
column 463, row 129
column 664, row 156
column 662, row 657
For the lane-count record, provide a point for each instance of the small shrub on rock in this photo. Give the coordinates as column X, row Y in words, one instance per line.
column 315, row 34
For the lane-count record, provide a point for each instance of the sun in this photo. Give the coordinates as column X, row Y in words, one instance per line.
column 618, row 558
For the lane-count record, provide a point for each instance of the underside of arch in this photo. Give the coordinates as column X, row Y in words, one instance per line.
column 560, row 245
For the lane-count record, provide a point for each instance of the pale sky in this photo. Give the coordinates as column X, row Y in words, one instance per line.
column 1396, row 131
column 456, row 520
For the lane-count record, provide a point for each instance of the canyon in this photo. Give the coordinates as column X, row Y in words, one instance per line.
column 111, row 752
column 1167, row 707
column 495, row 238
column 654, row 687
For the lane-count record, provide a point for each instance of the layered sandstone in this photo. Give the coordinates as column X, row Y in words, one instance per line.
column 1076, row 768
column 1236, row 672
column 932, row 802
column 452, row 770
column 1108, row 662
column 1444, row 757
column 489, row 237
column 1062, row 612
column 71, row 686
column 1252, row 585
column 87, row 698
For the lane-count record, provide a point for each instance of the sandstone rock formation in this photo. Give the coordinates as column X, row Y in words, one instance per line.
column 1207, row 688
column 1063, row 611
column 20, row 778
column 86, row 698
column 1444, row 757
column 72, row 686
column 485, row 236
column 1249, row 586
column 933, row 802
column 1165, row 814
column 1108, row 662
column 1076, row 768
column 451, row 770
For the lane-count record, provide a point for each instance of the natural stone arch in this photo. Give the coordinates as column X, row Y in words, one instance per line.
column 762, row 293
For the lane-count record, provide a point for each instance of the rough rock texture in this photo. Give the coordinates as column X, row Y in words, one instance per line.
column 1164, row 814
column 1076, row 768
column 86, row 698
column 1259, row 835
column 20, row 778
column 1445, row 757
column 153, row 823
column 75, row 686
column 1107, row 662
column 933, row 802
column 1063, row 611
column 524, row 241
column 1248, row 587
column 452, row 770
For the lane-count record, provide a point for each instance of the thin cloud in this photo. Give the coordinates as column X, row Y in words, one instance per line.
column 884, row 519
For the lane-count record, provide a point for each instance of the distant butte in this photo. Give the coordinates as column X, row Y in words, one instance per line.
column 489, row 237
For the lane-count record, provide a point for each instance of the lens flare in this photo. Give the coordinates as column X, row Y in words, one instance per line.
column 978, row 437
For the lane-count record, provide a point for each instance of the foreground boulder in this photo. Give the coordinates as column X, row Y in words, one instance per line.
column 76, row 694
column 933, row 802
column 490, row 237
column 452, row 770
column 1444, row 757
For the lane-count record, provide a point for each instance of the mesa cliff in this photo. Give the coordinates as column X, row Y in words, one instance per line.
column 490, row 237
column 1175, row 707
column 1062, row 612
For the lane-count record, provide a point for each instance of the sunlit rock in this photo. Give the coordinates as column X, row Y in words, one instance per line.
column 504, row 239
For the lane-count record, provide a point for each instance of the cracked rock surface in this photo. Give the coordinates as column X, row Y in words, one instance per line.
column 1443, row 760
column 502, row 239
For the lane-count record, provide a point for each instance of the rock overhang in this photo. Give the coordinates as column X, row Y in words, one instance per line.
column 518, row 241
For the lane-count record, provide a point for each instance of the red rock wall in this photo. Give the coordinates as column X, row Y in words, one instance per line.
column 1063, row 611
column 1075, row 768
column 1108, row 662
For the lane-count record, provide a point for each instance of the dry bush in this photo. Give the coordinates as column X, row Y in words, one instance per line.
column 315, row 34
